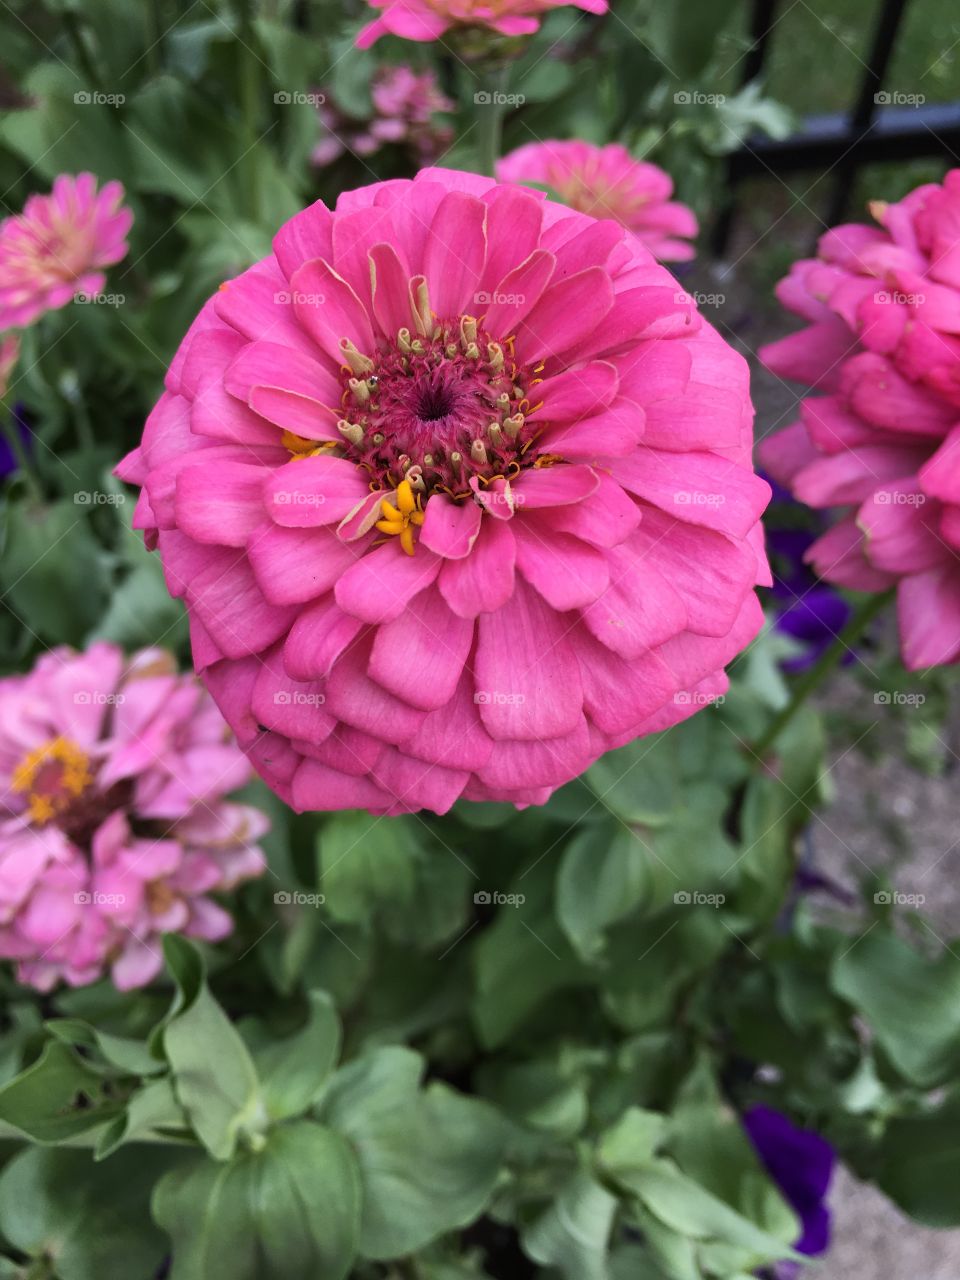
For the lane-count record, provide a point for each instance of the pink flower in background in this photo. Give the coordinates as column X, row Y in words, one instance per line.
column 425, row 20
column 882, row 442
column 606, row 182
column 456, row 486
column 114, row 826
column 405, row 103
column 57, row 246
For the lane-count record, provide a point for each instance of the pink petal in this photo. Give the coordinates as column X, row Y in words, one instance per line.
column 455, row 252
column 220, row 505
column 292, row 566
column 450, row 528
column 484, row 580
column 527, row 678
column 379, row 585
column 420, row 655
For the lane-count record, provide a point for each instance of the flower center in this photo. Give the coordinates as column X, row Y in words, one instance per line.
column 437, row 409
column 54, row 777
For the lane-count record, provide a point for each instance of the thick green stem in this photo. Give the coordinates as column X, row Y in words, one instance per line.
column 812, row 678
column 491, row 104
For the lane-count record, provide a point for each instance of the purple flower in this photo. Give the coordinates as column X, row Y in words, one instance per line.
column 801, row 1164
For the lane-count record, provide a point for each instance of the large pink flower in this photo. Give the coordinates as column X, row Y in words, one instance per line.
column 425, row 20
column 57, row 246
column 113, row 823
column 607, row 182
column 883, row 442
column 457, row 488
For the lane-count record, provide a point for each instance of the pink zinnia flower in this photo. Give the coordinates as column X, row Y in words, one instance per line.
column 424, row 20
column 606, row 182
column 114, row 827
column 55, row 248
column 457, row 488
column 882, row 444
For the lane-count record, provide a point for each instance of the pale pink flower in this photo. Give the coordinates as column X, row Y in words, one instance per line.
column 456, row 486
column 57, row 247
column 882, row 444
column 405, row 103
column 606, row 182
column 113, row 823
column 424, row 20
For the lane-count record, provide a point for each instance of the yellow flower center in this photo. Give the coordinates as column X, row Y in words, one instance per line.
column 53, row 776
column 402, row 519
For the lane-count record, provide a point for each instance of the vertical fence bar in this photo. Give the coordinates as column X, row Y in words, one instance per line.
column 864, row 108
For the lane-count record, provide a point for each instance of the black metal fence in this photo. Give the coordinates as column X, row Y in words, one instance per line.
column 874, row 128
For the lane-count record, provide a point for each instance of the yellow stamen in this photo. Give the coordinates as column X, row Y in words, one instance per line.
column 402, row 519
column 52, row 775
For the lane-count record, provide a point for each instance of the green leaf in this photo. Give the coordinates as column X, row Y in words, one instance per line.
column 429, row 1158
column 573, row 1234
column 632, row 1141
column 911, row 1003
column 688, row 1208
column 213, row 1073
column 56, row 1098
column 51, row 569
column 149, row 1110
column 290, row 1209
column 603, row 876
column 93, row 1220
column 294, row 1069
column 365, row 862
column 121, row 1053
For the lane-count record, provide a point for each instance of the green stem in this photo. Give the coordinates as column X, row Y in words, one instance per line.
column 812, row 678
column 490, row 119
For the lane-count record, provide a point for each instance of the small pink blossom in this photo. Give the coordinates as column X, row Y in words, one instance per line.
column 881, row 444
column 113, row 823
column 57, row 246
column 457, row 488
column 606, row 182
column 405, row 103
column 425, row 20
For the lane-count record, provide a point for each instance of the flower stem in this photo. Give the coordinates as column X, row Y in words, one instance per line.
column 490, row 108
column 811, row 679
